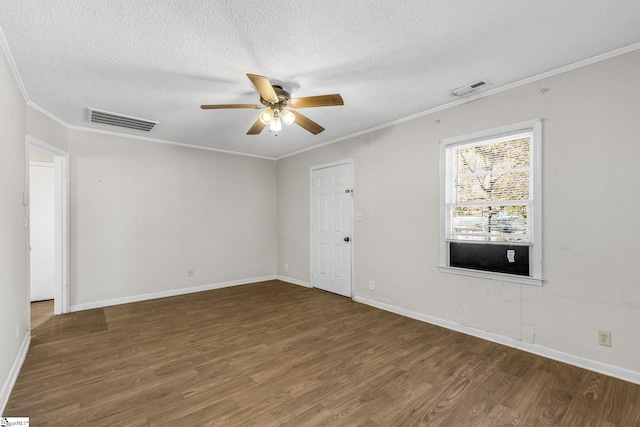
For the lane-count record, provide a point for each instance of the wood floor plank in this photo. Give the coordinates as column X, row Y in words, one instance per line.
column 595, row 400
column 626, row 399
column 41, row 311
column 501, row 416
column 275, row 354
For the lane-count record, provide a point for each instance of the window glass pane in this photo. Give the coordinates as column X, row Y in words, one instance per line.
column 494, row 156
column 490, row 223
column 492, row 187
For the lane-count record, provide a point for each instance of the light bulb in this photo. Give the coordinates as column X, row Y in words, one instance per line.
column 275, row 125
column 287, row 116
column 266, row 116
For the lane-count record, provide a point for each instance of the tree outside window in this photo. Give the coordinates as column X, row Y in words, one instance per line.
column 490, row 188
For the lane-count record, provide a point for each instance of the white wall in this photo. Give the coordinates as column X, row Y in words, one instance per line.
column 144, row 213
column 46, row 129
column 591, row 155
column 13, row 250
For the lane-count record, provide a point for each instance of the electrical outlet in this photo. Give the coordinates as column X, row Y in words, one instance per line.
column 286, row 266
column 372, row 285
column 604, row 338
column 190, row 272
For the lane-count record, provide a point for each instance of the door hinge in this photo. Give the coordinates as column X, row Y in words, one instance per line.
column 349, row 190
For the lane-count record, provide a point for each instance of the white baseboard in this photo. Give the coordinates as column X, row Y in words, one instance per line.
column 13, row 374
column 592, row 365
column 295, row 281
column 164, row 294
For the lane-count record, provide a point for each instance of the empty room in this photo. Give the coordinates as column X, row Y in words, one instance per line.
column 319, row 213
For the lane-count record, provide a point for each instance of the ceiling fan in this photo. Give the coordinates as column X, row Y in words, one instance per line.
column 278, row 103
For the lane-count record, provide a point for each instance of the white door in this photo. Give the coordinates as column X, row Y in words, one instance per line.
column 331, row 229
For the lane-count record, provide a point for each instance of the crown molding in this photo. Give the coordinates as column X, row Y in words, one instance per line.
column 12, row 65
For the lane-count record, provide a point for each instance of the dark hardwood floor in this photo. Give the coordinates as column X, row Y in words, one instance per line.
column 275, row 354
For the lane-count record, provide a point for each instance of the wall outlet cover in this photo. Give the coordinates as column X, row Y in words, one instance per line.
column 604, row 338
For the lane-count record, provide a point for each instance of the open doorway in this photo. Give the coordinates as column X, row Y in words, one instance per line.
column 48, row 226
column 41, row 235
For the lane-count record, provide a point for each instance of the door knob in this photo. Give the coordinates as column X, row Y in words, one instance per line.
column 346, row 239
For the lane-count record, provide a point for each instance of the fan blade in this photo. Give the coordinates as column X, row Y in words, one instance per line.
column 308, row 124
column 220, row 106
column 256, row 128
column 316, row 101
column 264, row 88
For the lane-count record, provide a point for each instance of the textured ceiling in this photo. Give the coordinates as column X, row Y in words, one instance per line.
column 161, row 60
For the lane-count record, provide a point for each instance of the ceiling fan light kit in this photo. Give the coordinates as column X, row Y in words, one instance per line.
column 278, row 102
column 274, row 118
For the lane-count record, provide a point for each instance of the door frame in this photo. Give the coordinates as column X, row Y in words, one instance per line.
column 61, row 173
column 313, row 168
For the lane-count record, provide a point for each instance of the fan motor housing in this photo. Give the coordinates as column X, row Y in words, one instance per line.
column 282, row 95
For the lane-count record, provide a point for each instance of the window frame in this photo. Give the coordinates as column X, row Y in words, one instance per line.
column 535, row 245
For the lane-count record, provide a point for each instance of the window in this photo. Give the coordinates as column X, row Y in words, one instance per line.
column 490, row 204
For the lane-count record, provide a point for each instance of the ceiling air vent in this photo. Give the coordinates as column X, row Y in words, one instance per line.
column 469, row 88
column 114, row 119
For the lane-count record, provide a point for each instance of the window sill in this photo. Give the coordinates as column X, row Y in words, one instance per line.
column 523, row 280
